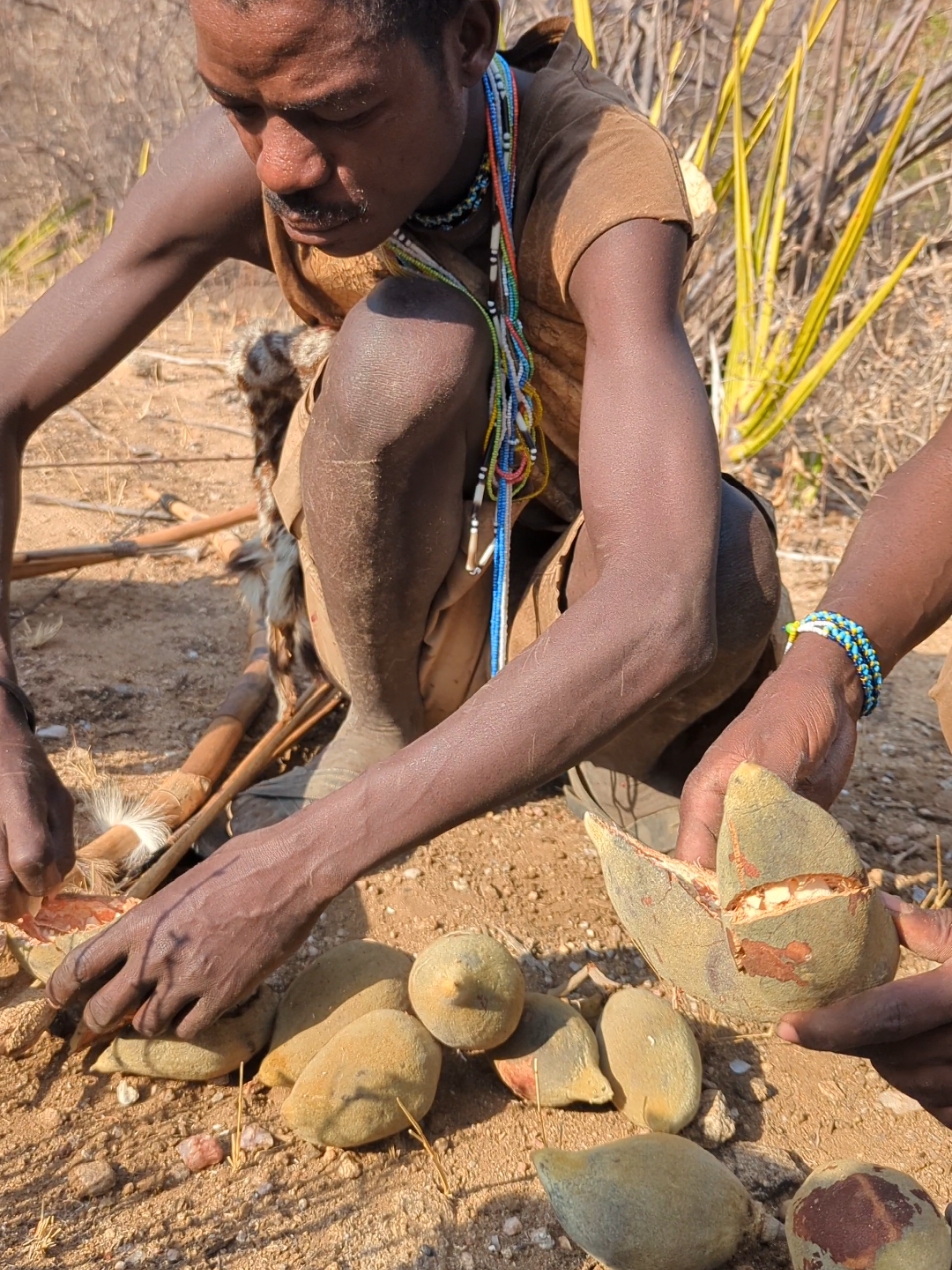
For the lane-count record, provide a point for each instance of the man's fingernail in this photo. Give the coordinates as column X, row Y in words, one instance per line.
column 787, row 1032
column 895, row 904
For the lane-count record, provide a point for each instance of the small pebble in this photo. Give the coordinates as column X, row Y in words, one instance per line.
column 173, row 1254
column 494, row 1245
column 512, row 1226
column 466, row 1261
column 201, row 1151
column 412, row 874
column 126, row 1093
column 899, row 1104
column 714, row 1124
column 772, row 1229
column 53, row 732
column 542, row 1239
column 91, row 1179
column 565, row 1243
column 254, row 1138
column 349, row 1168
column 302, row 1205
column 264, row 1189
column 739, row 1067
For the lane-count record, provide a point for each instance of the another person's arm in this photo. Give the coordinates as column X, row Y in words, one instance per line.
column 895, row 580
column 199, row 204
column 645, row 629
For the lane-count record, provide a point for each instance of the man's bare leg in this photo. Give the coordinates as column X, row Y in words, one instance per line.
column 394, row 442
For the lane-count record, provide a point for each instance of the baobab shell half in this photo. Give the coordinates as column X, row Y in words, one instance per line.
column 656, row 1202
column 42, row 940
column 218, row 1049
column 852, row 1216
column 347, row 1094
column 552, row 1057
column 800, row 926
column 349, row 981
column 652, row 1060
column 467, row 991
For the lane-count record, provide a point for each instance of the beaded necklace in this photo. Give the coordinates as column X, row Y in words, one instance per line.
column 463, row 210
column 514, row 440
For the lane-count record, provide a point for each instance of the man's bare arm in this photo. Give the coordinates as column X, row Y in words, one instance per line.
column 896, row 581
column 198, row 205
column 644, row 629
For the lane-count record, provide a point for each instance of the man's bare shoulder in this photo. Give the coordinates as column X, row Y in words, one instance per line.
column 201, row 189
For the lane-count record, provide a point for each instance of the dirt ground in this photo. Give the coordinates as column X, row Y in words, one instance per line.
column 146, row 650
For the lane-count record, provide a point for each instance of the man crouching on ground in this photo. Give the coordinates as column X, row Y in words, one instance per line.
column 453, row 219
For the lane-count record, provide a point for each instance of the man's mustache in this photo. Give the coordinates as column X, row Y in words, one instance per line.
column 303, row 206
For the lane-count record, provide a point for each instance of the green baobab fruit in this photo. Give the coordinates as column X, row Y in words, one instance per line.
column 218, row 1049
column 348, row 1093
column 552, row 1057
column 788, row 922
column 467, row 991
column 651, row 1057
column 852, row 1216
column 345, row 983
column 657, row 1202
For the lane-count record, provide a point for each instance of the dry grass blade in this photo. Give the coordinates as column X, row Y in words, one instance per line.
column 236, row 1157
column 43, row 1238
column 416, row 1131
column 538, row 1093
column 45, row 630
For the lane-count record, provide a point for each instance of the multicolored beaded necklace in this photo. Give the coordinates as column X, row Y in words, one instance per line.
column 514, row 441
column 463, row 210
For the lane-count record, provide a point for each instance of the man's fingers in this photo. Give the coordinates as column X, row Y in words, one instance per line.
column 202, row 1015
column 84, row 965
column 159, row 1013
column 924, row 931
column 115, row 1003
column 894, row 1012
column 702, row 809
column 30, row 854
column 60, row 820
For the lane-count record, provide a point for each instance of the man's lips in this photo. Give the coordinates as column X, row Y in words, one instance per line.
column 321, row 225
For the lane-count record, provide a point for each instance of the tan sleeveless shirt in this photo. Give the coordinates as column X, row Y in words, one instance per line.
column 586, row 162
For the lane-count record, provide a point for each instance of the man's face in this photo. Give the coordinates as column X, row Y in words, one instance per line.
column 348, row 134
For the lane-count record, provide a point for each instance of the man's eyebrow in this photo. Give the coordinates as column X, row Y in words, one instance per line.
column 329, row 101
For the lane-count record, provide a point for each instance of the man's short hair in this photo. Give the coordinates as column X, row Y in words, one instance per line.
column 419, row 20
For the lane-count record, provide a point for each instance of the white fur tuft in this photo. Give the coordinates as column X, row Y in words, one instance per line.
column 108, row 806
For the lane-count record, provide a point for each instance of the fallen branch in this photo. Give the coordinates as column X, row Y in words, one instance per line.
column 34, row 564
column 197, row 458
column 80, row 505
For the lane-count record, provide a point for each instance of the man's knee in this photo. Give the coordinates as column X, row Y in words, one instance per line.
column 408, row 359
column 748, row 576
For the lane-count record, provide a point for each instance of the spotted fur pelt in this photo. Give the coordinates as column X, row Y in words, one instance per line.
column 272, row 369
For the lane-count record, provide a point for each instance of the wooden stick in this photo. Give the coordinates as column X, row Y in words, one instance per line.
column 225, row 544
column 195, row 458
column 34, row 564
column 80, row 505
column 316, row 704
column 181, row 793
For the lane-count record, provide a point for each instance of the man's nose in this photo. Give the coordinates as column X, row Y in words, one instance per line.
column 288, row 160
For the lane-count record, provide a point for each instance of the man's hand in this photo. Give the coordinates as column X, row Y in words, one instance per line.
column 36, row 816
column 201, row 945
column 904, row 1028
column 801, row 725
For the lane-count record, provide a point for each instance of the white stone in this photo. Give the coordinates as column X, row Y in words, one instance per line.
column 739, row 1067
column 512, row 1226
column 898, row 1103
column 126, row 1093
column 542, row 1239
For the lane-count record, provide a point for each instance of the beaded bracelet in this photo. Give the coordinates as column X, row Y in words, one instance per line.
column 853, row 640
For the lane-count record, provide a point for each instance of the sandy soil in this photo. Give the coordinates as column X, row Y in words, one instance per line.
column 146, row 650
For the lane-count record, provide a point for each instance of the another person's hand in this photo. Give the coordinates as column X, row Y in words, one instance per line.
column 200, row 945
column 904, row 1028
column 36, row 816
column 801, row 725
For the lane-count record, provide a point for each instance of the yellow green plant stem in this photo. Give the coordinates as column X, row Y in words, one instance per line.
column 585, row 25
column 807, row 385
column 711, row 134
column 738, row 370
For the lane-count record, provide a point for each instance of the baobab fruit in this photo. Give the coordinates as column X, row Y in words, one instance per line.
column 852, row 1216
column 651, row 1059
column 788, row 921
column 40, row 941
column 345, row 983
column 552, row 1057
column 467, row 991
column 657, row 1202
column 350, row 1092
column 218, row 1049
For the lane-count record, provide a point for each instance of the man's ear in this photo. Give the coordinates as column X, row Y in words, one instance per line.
column 471, row 40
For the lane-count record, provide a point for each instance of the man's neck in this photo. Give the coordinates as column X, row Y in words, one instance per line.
column 455, row 185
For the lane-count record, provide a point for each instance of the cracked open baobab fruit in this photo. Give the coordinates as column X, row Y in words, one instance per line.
column 40, row 941
column 652, row 1060
column 852, row 1216
column 656, row 1202
column 787, row 922
column 552, row 1057
column 344, row 984
column 467, row 991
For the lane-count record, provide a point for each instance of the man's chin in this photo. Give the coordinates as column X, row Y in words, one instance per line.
column 352, row 237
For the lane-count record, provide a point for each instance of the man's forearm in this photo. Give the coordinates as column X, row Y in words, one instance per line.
column 9, row 514
column 896, row 575
column 593, row 671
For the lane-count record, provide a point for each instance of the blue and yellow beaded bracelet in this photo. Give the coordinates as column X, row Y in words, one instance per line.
column 853, row 640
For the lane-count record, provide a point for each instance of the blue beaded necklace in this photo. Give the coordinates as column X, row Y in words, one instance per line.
column 514, row 440
column 463, row 210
